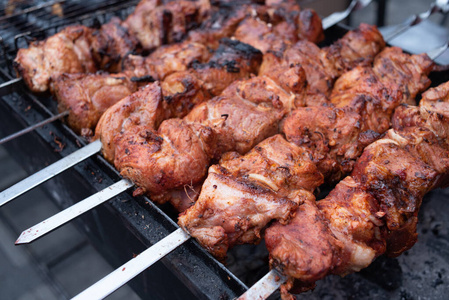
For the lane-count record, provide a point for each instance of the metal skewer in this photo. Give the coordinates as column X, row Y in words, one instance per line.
column 32, row 127
column 337, row 17
column 440, row 6
column 10, row 86
column 72, row 212
column 135, row 266
column 48, row 172
column 266, row 286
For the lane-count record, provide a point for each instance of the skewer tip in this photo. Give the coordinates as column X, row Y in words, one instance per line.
column 25, row 237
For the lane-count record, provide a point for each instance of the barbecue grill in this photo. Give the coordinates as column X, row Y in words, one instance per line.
column 126, row 225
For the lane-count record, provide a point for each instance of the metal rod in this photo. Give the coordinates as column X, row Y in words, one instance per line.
column 32, row 127
column 8, row 87
column 49, row 172
column 72, row 212
column 337, row 17
column 135, row 266
column 266, row 286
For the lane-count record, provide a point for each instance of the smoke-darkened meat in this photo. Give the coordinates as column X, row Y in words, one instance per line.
column 88, row 96
column 164, row 24
column 111, row 43
column 165, row 60
column 155, row 160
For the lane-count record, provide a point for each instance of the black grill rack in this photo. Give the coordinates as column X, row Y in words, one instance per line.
column 126, row 225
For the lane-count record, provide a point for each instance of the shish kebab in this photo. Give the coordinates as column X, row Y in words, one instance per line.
column 59, row 167
column 262, row 182
column 112, row 50
column 370, row 43
column 84, row 108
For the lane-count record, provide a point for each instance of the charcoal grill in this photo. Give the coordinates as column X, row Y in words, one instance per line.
column 128, row 225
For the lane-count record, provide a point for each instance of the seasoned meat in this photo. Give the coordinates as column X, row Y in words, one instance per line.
column 305, row 248
column 175, row 155
column 246, row 113
column 144, row 108
column 373, row 99
column 68, row 51
column 111, row 43
column 335, row 137
column 166, row 60
column 88, row 96
column 357, row 48
column 408, row 71
column 156, row 25
column 244, row 193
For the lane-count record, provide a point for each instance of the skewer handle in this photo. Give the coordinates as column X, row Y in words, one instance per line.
column 266, row 286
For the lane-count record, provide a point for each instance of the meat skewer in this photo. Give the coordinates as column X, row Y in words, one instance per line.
column 276, row 280
column 248, row 87
column 155, row 67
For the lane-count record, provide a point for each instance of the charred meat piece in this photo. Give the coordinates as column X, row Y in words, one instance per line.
column 335, row 137
column 165, row 60
column 68, row 51
column 408, row 71
column 111, row 43
column 88, row 96
column 244, row 193
column 156, row 25
column 177, row 153
column 144, row 108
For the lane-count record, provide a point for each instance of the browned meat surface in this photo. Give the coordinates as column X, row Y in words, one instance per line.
column 166, row 60
column 434, row 109
column 335, row 137
column 176, row 154
column 408, row 71
column 169, row 23
column 111, row 43
column 144, row 108
column 264, row 36
column 323, row 66
column 88, row 96
column 221, row 23
column 357, row 48
column 242, row 194
column 232, row 60
column 68, row 51
column 247, row 112
column 398, row 180
column 373, row 99
column 305, row 248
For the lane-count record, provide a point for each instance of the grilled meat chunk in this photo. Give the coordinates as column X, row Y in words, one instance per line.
column 68, row 51
column 156, row 25
column 144, row 108
column 335, row 137
column 88, row 96
column 165, row 60
column 177, row 153
column 111, row 43
column 244, row 193
column 408, row 71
